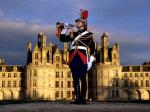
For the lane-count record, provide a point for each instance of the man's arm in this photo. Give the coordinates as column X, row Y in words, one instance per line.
column 91, row 45
column 92, row 53
column 66, row 35
column 65, row 38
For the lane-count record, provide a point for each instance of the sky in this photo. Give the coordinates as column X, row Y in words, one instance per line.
column 126, row 21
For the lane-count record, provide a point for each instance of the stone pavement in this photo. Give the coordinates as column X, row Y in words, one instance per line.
column 67, row 107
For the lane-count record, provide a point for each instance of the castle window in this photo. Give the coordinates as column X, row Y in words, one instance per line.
column 61, row 74
column 57, row 65
column 3, row 69
column 36, row 63
column 14, row 83
column 141, row 74
column 130, row 74
column 57, row 74
column 61, row 94
column 36, row 55
column 146, row 74
column 125, row 74
column 73, row 94
column 3, row 74
column 15, row 68
column 141, row 69
column 57, row 58
column 9, row 74
column 130, row 69
column 117, row 83
column 142, row 83
column 62, row 84
column 68, row 74
column 68, row 84
column 9, row 84
column 3, row 83
column 34, row 93
column 35, row 73
column 57, row 84
column 147, row 83
column 15, row 74
column 34, row 83
column 136, row 74
column 57, row 94
column 136, row 83
column 113, row 93
column 68, row 94
column 117, row 93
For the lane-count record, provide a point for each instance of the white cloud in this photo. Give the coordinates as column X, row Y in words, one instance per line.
column 14, row 36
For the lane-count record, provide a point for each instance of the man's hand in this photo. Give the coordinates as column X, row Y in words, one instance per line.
column 89, row 65
column 69, row 31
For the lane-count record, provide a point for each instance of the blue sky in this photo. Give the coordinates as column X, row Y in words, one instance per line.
column 126, row 21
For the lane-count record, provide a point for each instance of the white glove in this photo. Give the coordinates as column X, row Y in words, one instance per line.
column 64, row 30
column 89, row 66
column 92, row 58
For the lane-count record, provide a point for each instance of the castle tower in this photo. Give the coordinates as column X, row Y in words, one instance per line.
column 104, row 46
column 38, row 70
column 105, row 40
column 42, row 46
column 115, row 55
column 108, row 71
column 41, row 40
column 29, row 53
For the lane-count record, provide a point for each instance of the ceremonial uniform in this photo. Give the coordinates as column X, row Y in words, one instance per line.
column 81, row 49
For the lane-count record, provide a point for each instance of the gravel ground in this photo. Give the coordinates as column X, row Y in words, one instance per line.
column 67, row 107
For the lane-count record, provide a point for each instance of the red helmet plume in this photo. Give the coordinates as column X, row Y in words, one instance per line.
column 84, row 14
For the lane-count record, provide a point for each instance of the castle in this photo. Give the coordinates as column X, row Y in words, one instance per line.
column 47, row 76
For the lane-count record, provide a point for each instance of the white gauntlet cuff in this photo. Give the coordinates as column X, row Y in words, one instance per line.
column 92, row 58
column 64, row 30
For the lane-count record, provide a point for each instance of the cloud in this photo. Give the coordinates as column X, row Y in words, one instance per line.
column 126, row 21
column 16, row 34
column 134, row 47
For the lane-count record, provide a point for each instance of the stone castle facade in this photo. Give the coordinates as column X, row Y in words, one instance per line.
column 47, row 76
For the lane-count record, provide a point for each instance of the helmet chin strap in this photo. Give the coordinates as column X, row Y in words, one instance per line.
column 81, row 28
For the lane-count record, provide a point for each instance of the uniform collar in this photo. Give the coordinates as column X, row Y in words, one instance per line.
column 81, row 30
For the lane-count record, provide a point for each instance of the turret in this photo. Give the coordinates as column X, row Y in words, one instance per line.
column 105, row 40
column 29, row 53
column 104, row 46
column 41, row 40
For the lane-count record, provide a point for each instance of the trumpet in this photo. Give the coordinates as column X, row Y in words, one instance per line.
column 60, row 26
